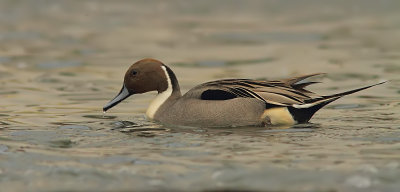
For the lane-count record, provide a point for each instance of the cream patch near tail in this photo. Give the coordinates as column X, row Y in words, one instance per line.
column 278, row 116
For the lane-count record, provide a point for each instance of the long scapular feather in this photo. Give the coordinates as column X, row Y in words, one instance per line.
column 299, row 79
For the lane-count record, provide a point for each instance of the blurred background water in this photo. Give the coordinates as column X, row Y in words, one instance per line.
column 61, row 61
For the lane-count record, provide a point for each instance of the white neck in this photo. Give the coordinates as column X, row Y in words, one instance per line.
column 161, row 97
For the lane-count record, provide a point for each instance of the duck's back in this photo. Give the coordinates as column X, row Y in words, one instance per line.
column 222, row 103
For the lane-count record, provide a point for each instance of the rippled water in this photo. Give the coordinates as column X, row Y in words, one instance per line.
column 61, row 61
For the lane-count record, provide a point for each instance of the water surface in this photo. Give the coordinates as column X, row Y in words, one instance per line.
column 61, row 61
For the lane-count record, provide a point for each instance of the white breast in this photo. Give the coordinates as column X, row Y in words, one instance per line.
column 161, row 97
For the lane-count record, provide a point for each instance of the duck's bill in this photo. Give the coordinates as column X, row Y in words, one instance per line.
column 123, row 94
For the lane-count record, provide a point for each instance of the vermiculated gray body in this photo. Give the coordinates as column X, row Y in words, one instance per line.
column 214, row 113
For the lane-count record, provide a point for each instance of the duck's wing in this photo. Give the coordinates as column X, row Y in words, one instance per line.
column 285, row 92
column 290, row 93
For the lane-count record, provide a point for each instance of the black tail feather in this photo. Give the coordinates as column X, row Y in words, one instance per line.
column 343, row 93
column 303, row 113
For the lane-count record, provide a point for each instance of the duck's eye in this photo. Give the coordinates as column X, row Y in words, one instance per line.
column 134, row 72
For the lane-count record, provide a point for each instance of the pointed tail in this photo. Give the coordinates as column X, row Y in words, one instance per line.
column 303, row 113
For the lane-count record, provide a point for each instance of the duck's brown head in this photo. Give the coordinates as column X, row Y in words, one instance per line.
column 144, row 76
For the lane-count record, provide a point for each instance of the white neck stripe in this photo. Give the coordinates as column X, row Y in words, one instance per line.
column 161, row 97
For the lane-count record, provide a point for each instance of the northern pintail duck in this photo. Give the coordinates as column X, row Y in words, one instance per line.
column 221, row 103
